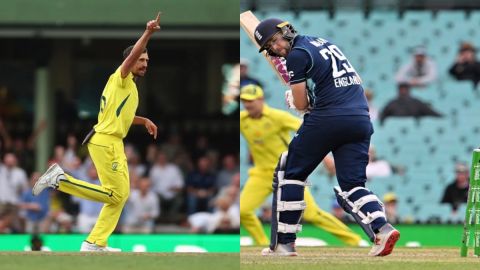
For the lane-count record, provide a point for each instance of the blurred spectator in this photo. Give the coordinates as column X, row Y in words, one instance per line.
column 70, row 157
column 421, row 71
column 201, row 147
column 58, row 155
column 376, row 167
column 87, row 210
column 62, row 208
column 456, row 193
column 23, row 149
column 174, row 147
column 168, row 184
column 229, row 169
column 390, row 202
column 466, row 66
column 200, row 187
column 226, row 215
column 142, row 209
column 371, row 108
column 58, row 220
column 224, row 219
column 13, row 179
column 184, row 163
column 150, row 156
column 75, row 167
column 405, row 105
column 13, row 182
column 135, row 167
column 8, row 216
column 245, row 78
column 233, row 190
column 35, row 208
column 214, row 157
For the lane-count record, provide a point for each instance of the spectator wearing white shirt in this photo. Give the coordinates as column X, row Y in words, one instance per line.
column 168, row 183
column 13, row 181
column 420, row 71
column 233, row 190
column 224, row 219
column 376, row 167
column 142, row 209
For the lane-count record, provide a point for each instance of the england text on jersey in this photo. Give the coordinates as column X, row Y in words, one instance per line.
column 347, row 81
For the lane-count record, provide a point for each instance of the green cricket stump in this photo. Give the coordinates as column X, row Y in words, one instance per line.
column 471, row 226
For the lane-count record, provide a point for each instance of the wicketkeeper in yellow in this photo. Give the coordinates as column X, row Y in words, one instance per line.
column 118, row 104
column 267, row 132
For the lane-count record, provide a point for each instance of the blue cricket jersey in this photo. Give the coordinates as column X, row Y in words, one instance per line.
column 338, row 89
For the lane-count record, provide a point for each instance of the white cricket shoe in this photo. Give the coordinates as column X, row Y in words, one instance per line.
column 48, row 179
column 281, row 250
column 95, row 248
column 385, row 241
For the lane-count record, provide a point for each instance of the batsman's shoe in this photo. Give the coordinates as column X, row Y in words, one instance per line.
column 48, row 179
column 96, row 248
column 281, row 250
column 385, row 241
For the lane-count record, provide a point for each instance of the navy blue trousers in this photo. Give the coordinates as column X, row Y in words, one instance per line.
column 347, row 137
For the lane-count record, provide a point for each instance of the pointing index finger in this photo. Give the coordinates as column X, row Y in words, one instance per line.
column 158, row 17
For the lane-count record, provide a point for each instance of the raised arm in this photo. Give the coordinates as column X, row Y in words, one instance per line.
column 36, row 132
column 140, row 46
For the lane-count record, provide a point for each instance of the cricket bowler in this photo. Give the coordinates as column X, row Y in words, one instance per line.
column 118, row 104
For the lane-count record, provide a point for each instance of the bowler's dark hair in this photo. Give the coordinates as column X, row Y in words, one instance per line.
column 128, row 50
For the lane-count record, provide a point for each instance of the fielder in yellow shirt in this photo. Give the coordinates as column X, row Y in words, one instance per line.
column 118, row 104
column 267, row 132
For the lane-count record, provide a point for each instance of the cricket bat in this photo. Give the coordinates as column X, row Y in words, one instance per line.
column 249, row 22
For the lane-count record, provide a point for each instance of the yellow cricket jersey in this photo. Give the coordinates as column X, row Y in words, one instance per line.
column 118, row 105
column 268, row 136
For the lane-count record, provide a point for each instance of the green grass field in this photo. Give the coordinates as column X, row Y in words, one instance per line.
column 356, row 259
column 118, row 261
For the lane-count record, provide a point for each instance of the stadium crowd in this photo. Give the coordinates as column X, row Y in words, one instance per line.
column 174, row 188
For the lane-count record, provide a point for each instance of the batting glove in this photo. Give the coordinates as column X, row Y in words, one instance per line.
column 289, row 101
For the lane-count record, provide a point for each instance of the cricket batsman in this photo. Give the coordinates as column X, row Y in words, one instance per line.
column 118, row 104
column 336, row 120
column 267, row 132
